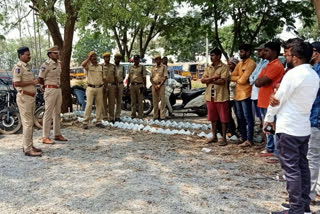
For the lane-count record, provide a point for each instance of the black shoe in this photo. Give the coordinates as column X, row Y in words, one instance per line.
column 85, row 126
column 280, row 212
column 286, row 206
column 99, row 125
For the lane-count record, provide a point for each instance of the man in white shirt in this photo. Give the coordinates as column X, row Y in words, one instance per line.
column 296, row 95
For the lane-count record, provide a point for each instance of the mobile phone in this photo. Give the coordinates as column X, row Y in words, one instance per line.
column 268, row 128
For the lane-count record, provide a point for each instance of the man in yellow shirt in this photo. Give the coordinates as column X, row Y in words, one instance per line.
column 241, row 75
column 217, row 96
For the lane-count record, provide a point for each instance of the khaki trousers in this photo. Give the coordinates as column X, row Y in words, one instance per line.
column 97, row 95
column 156, row 95
column 53, row 101
column 136, row 96
column 105, row 108
column 119, row 94
column 26, row 105
column 111, row 100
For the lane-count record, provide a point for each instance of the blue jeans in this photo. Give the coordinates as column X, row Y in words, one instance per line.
column 256, row 111
column 271, row 139
column 246, row 122
column 80, row 98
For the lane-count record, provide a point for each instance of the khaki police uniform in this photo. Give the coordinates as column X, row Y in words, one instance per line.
column 159, row 74
column 26, row 101
column 136, row 74
column 110, row 77
column 94, row 91
column 119, row 90
column 50, row 72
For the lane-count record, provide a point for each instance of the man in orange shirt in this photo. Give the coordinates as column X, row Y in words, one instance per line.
column 241, row 75
column 266, row 82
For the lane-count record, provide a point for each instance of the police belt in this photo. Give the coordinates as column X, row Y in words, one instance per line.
column 94, row 86
column 27, row 93
column 52, row 86
column 136, row 83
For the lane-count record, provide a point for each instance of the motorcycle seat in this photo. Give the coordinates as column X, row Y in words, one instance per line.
column 189, row 95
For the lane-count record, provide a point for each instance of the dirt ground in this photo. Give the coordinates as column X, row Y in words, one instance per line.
column 120, row 171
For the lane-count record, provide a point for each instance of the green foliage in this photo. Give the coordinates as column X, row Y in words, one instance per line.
column 89, row 41
column 9, row 56
column 310, row 32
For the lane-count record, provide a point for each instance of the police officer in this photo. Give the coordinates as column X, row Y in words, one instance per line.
column 49, row 78
column 137, row 83
column 159, row 74
column 111, row 82
column 94, row 74
column 119, row 90
column 25, row 83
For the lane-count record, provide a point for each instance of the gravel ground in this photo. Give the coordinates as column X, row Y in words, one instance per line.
column 121, row 172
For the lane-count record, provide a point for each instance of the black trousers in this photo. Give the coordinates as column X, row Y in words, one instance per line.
column 292, row 153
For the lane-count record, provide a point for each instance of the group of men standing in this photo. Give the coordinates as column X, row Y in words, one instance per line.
column 105, row 87
column 25, row 83
column 287, row 97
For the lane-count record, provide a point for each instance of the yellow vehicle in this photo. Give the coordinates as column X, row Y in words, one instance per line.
column 77, row 72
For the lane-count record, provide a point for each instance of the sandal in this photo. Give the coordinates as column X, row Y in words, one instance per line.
column 212, row 140
column 223, row 143
column 246, row 144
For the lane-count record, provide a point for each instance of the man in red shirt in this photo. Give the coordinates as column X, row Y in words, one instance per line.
column 271, row 74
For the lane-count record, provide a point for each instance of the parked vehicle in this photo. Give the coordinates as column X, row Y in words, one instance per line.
column 147, row 101
column 192, row 100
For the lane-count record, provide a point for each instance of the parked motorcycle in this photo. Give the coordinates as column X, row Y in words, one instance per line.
column 147, row 101
column 192, row 101
column 10, row 120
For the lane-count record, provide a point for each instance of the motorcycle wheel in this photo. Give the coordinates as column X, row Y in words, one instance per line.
column 147, row 106
column 38, row 117
column 202, row 112
column 11, row 125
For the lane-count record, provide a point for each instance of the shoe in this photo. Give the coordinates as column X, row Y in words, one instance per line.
column 47, row 141
column 280, row 212
column 36, row 149
column 223, row 143
column 286, row 206
column 212, row 140
column 265, row 153
column 60, row 138
column 33, row 153
column 99, row 125
column 272, row 159
column 117, row 119
column 85, row 126
column 246, row 144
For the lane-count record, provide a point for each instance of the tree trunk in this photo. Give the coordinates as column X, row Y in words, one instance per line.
column 316, row 4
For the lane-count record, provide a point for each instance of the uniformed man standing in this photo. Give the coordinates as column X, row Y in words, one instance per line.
column 94, row 74
column 119, row 90
column 137, row 83
column 49, row 78
column 111, row 82
column 159, row 74
column 25, row 83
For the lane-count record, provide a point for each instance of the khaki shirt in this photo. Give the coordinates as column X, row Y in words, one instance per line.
column 159, row 74
column 94, row 74
column 50, row 71
column 137, row 73
column 109, row 72
column 221, row 93
column 241, row 75
column 22, row 73
column 121, row 73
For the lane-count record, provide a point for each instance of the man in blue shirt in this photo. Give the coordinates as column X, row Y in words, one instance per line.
column 314, row 142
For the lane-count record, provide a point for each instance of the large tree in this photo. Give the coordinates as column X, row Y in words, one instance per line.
column 55, row 19
column 252, row 19
column 316, row 4
column 129, row 21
